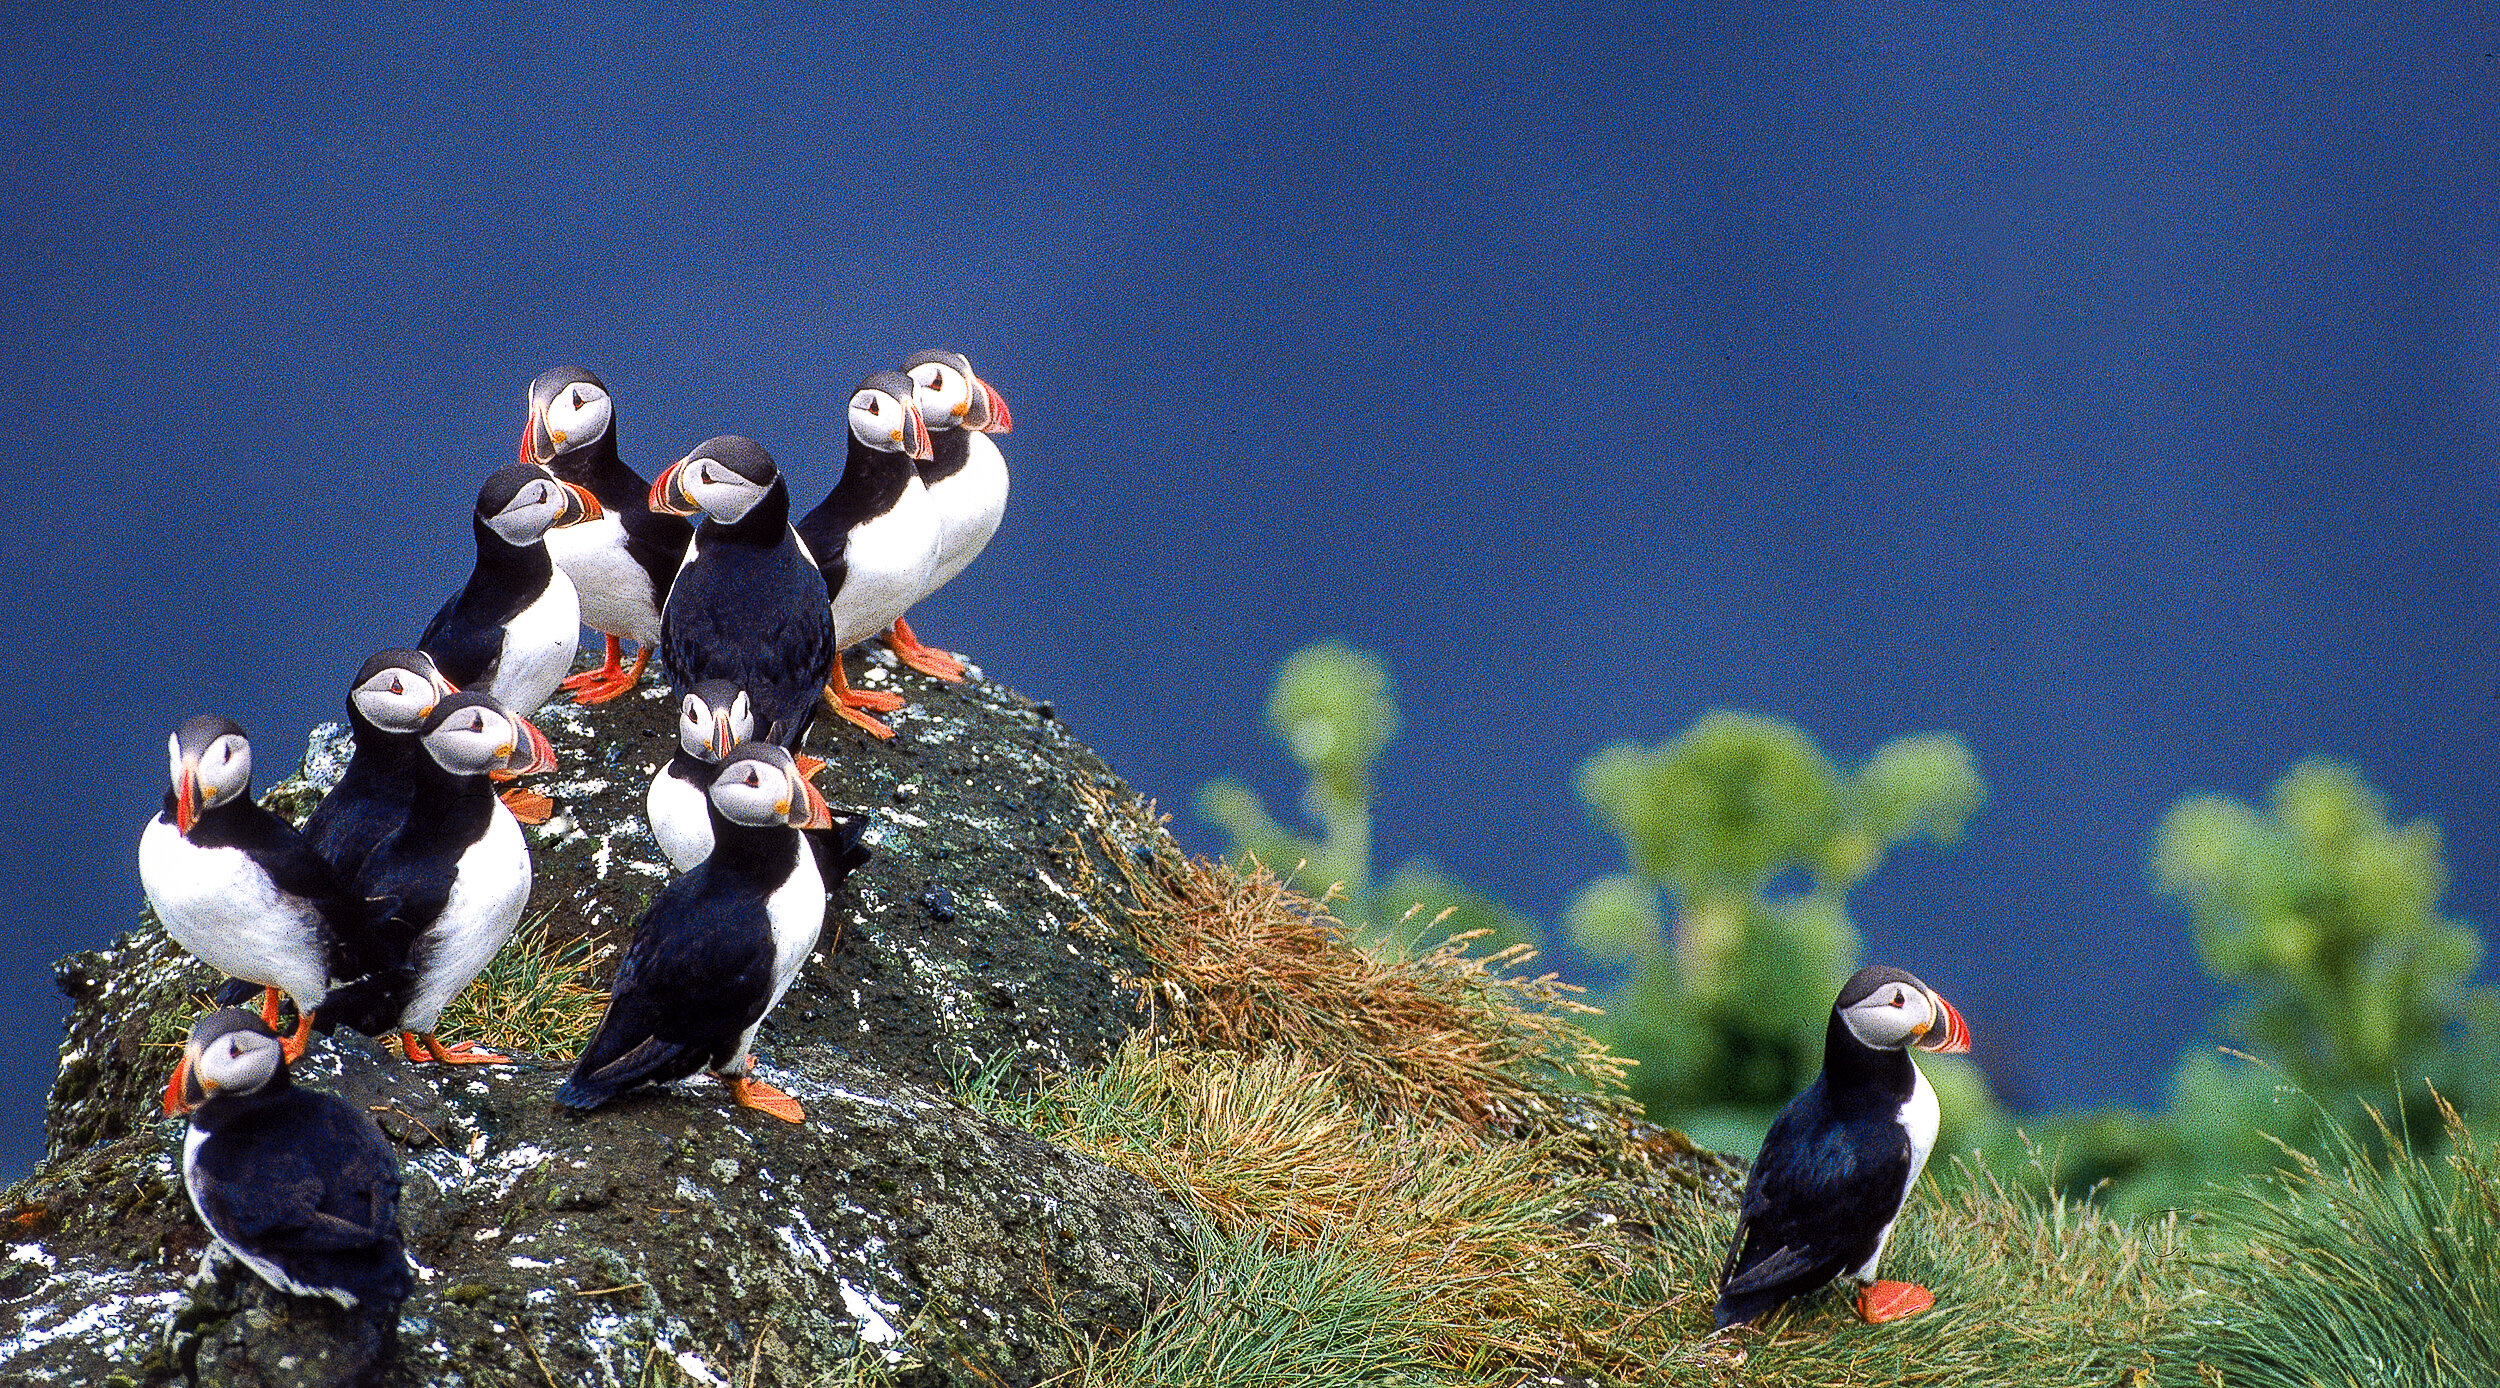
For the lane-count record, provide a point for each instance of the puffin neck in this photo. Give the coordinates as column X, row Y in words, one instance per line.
column 602, row 472
column 1851, row 1066
column 515, row 568
column 762, row 851
column 872, row 480
column 221, row 1108
column 949, row 449
column 763, row 525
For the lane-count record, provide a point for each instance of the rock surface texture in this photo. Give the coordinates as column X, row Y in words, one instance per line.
column 671, row 1238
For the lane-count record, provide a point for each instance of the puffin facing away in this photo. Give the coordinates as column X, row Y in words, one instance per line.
column 392, row 696
column 749, row 606
column 450, row 883
column 1822, row 1197
column 511, row 629
column 239, row 888
column 875, row 537
column 298, row 1185
column 621, row 561
column 966, row 475
column 710, row 721
column 718, row 946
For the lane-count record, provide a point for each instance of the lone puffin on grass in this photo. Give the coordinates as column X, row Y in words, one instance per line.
column 298, row 1185
column 1839, row 1160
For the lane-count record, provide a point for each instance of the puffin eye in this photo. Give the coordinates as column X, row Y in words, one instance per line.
column 707, row 477
column 395, row 686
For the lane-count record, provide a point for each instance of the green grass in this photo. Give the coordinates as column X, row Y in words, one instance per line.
column 533, row 997
column 2361, row 1267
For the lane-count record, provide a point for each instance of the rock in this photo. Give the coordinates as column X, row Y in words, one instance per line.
column 670, row 1228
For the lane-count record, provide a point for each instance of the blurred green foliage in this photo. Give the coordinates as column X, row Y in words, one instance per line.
column 1335, row 711
column 1730, row 924
column 2322, row 915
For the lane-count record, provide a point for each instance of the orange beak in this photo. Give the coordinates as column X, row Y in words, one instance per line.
column 818, row 815
column 994, row 407
column 1948, row 1034
column 187, row 797
column 667, row 498
column 533, row 753
column 589, row 506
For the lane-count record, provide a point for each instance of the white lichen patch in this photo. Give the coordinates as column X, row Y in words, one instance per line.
column 31, row 1253
column 876, row 1324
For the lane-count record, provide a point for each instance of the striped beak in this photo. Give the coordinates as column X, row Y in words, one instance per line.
column 813, row 813
column 993, row 413
column 915, row 434
column 187, row 796
column 579, row 506
column 531, row 751
column 668, row 495
column 1947, row 1034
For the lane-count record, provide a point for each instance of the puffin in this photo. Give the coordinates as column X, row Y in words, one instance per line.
column 297, row 1185
column 718, row 946
column 712, row 719
column 622, row 561
column 874, row 539
column 240, row 889
column 449, row 883
column 511, row 629
column 966, row 475
column 1822, row 1196
column 394, row 692
column 749, row 606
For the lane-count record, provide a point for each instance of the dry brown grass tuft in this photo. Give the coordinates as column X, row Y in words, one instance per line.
column 1246, row 963
column 534, row 996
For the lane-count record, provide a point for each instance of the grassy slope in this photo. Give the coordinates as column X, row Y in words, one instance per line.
column 1401, row 1168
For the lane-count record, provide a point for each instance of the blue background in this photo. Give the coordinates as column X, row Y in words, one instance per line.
column 2114, row 386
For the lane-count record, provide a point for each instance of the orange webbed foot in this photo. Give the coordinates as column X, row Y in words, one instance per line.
column 610, row 681
column 927, row 659
column 755, row 1094
column 808, row 766
column 1891, row 1301
column 457, row 1053
column 528, row 806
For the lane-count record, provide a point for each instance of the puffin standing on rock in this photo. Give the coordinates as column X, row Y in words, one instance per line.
column 1840, row 1159
column 875, row 537
column 718, row 946
column 298, row 1185
column 390, row 699
column 749, row 606
column 511, row 629
column 240, row 889
column 710, row 721
column 966, row 475
column 622, row 560
column 450, row 883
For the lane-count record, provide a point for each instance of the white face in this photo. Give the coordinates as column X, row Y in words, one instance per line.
column 753, row 790
column 724, row 494
column 1891, row 1017
column 942, row 393
column 225, row 768
column 578, row 416
column 707, row 734
column 877, row 420
column 525, row 519
column 241, row 1061
column 397, row 700
column 476, row 739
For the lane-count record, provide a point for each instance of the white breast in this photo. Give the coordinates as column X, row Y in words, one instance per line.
column 538, row 647
column 1919, row 1118
column 970, row 504
column 220, row 906
column 887, row 565
column 263, row 1268
column 487, row 897
column 797, row 914
column 680, row 819
column 615, row 591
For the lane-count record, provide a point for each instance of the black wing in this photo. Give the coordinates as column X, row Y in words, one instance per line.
column 1819, row 1194
column 466, row 641
column 311, row 1186
column 698, row 973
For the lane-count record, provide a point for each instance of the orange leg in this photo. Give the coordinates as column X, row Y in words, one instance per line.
column 853, row 704
column 808, row 766
column 269, row 1007
column 528, row 806
column 459, row 1053
column 755, row 1094
column 292, row 1047
column 610, row 681
column 928, row 660
column 1891, row 1301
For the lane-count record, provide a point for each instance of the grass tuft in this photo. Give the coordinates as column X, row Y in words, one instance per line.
column 534, row 996
column 2360, row 1267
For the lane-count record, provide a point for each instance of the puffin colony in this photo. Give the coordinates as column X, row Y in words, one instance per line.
column 410, row 875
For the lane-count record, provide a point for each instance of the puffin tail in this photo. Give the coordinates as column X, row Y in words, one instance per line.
column 592, row 1084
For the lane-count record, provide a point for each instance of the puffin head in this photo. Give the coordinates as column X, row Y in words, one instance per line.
column 951, row 397
column 211, row 764
column 723, row 478
column 884, row 418
column 231, row 1051
column 523, row 502
column 397, row 690
column 713, row 718
column 1890, row 1010
column 471, row 734
column 570, row 409
column 760, row 784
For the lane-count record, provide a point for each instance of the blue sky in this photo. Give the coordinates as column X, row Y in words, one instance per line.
column 2113, row 386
